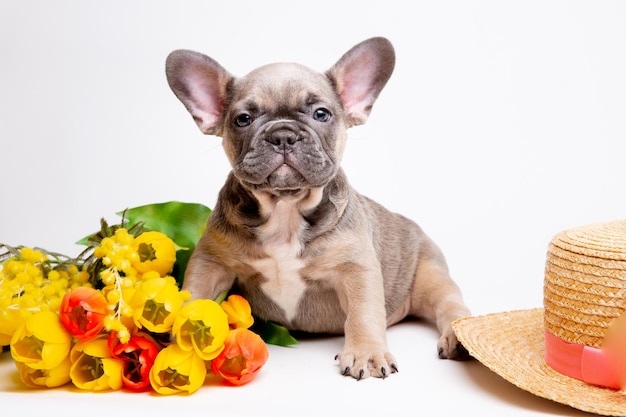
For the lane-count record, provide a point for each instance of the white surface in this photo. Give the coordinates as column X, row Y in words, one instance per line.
column 502, row 125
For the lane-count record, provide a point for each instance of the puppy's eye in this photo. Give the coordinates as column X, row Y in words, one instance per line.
column 321, row 115
column 243, row 120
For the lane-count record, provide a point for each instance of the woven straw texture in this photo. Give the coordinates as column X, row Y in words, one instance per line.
column 512, row 345
column 585, row 282
column 584, row 291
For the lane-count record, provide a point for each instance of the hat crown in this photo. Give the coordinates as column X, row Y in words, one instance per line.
column 585, row 282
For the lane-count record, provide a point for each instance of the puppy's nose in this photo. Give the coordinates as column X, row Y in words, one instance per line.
column 282, row 137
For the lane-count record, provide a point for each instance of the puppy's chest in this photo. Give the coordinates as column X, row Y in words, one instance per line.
column 280, row 241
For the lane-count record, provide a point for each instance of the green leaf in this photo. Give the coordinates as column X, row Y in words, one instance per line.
column 184, row 223
column 273, row 333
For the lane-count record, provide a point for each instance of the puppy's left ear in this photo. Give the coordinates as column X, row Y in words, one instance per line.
column 360, row 75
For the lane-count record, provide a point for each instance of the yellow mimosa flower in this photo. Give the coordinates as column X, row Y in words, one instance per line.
column 29, row 283
column 118, row 251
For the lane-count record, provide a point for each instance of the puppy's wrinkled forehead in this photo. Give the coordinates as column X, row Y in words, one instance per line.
column 283, row 84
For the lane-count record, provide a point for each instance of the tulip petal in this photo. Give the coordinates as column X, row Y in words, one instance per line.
column 244, row 355
column 177, row 371
column 238, row 310
column 201, row 325
column 82, row 312
column 41, row 342
column 93, row 368
column 48, row 378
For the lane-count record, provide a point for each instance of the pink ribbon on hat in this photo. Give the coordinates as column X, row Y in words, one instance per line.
column 604, row 366
column 589, row 364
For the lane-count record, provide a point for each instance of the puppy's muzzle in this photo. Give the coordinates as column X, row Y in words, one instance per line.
column 283, row 137
column 285, row 155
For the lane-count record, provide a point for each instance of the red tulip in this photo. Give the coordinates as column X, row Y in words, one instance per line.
column 138, row 356
column 82, row 312
column 242, row 358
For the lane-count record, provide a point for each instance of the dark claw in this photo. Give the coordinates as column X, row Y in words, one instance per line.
column 336, row 356
column 361, row 372
column 346, row 371
column 441, row 355
column 394, row 367
column 383, row 371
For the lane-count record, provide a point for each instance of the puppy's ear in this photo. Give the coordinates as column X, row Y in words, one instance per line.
column 360, row 75
column 200, row 83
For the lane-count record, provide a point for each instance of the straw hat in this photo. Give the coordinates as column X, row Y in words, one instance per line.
column 565, row 351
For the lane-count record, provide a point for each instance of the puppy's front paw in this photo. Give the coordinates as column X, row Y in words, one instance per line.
column 361, row 363
column 450, row 348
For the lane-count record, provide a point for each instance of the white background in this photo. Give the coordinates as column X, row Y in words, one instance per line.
column 503, row 124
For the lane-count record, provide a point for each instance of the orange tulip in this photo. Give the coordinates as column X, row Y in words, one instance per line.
column 243, row 356
column 238, row 310
column 82, row 312
column 138, row 356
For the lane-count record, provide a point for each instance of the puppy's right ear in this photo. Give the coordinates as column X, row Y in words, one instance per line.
column 200, row 83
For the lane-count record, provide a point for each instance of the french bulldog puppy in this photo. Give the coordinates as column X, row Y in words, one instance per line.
column 288, row 231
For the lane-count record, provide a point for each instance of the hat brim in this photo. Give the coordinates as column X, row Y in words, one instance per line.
column 511, row 344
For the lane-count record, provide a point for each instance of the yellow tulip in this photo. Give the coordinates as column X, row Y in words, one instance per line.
column 93, row 368
column 41, row 342
column 155, row 303
column 201, row 326
column 46, row 378
column 177, row 371
column 156, row 251
column 10, row 320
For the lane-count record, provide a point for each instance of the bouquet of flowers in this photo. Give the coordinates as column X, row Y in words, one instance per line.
column 115, row 317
